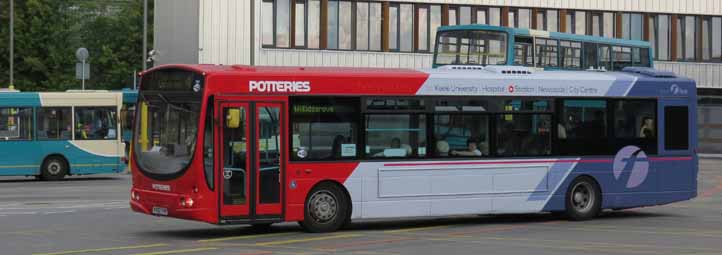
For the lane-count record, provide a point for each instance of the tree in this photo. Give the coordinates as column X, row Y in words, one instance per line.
column 47, row 33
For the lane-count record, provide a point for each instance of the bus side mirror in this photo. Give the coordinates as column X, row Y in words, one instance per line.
column 233, row 118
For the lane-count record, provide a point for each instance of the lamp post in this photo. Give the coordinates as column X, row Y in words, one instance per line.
column 145, row 34
column 12, row 43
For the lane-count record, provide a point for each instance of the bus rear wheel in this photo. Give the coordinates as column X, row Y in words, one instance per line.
column 326, row 209
column 53, row 169
column 583, row 199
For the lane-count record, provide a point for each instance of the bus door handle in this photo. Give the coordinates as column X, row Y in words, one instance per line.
column 308, row 171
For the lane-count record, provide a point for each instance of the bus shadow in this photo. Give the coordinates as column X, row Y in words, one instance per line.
column 395, row 224
column 72, row 179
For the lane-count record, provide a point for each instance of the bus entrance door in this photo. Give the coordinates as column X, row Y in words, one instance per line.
column 250, row 140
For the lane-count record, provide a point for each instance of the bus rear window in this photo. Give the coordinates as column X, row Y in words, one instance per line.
column 466, row 47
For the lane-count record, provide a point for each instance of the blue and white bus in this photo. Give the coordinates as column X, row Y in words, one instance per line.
column 492, row 45
column 322, row 146
column 53, row 134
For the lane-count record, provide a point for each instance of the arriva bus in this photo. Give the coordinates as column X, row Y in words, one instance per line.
column 483, row 45
column 323, row 146
column 53, row 134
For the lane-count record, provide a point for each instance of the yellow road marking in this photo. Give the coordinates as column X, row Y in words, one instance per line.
column 302, row 240
column 177, row 251
column 104, row 249
column 405, row 230
column 241, row 237
column 681, row 233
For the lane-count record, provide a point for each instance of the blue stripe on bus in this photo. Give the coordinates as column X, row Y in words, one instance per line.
column 19, row 99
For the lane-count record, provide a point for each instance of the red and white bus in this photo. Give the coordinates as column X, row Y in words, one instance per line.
column 322, row 146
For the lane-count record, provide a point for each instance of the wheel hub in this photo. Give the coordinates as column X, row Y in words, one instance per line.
column 54, row 168
column 323, row 207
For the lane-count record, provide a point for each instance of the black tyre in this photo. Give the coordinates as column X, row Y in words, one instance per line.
column 53, row 169
column 326, row 210
column 583, row 199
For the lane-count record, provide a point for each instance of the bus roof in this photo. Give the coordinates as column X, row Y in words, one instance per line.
column 552, row 35
column 447, row 81
column 72, row 98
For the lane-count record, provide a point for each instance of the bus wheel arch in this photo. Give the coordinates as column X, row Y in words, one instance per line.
column 583, row 198
column 54, row 167
column 324, row 197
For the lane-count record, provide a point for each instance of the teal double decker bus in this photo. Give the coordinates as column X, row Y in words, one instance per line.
column 482, row 45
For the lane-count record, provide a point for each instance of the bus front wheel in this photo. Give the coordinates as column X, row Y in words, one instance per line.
column 326, row 209
column 583, row 199
column 53, row 169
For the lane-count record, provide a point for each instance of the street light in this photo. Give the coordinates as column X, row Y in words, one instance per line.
column 12, row 43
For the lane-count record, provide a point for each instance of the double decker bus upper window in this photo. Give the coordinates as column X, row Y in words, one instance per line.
column 546, row 53
column 570, row 56
column 468, row 47
column 324, row 128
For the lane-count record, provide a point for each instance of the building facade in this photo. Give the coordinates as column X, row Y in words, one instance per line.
column 686, row 35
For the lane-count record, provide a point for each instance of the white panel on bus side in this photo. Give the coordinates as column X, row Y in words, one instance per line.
column 460, row 180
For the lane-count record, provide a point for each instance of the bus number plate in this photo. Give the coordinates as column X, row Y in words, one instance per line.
column 160, row 211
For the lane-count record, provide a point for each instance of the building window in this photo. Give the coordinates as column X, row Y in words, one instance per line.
column 524, row 18
column 552, row 21
column 283, row 23
column 580, row 21
column 267, row 25
column 569, row 22
column 314, row 24
column 300, row 24
column 345, row 30
column 393, row 28
column 716, row 41
column 362, row 26
column 324, row 128
column 494, row 17
column 686, row 38
column 435, row 21
column 481, row 16
column 16, row 123
column 422, row 13
column 541, row 18
column 452, row 16
column 596, row 26
column 99, row 123
column 662, row 33
column 632, row 26
column 464, row 15
column 332, row 21
column 608, row 21
column 368, row 26
column 54, row 123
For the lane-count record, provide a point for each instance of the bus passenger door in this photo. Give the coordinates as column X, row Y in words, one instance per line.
column 234, row 168
column 251, row 141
